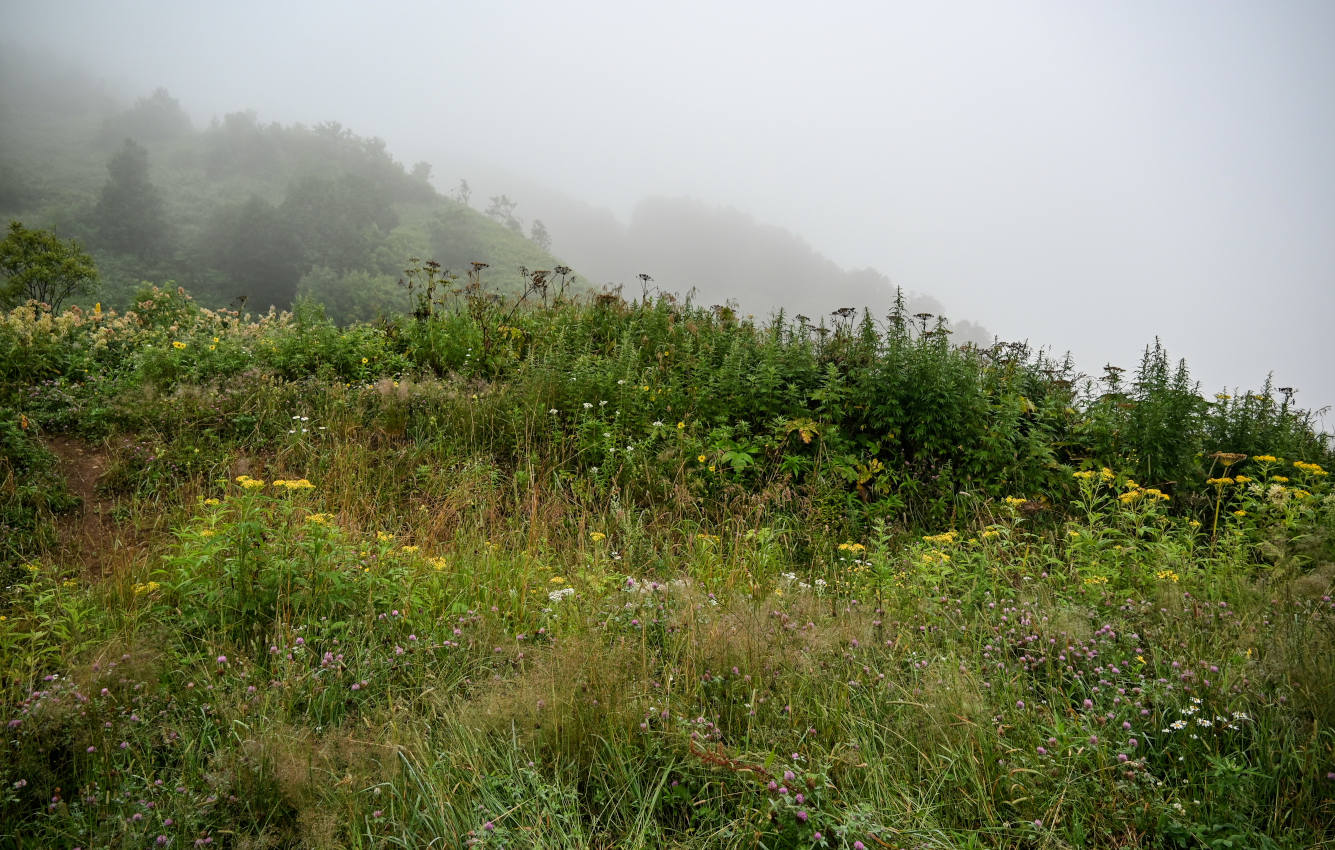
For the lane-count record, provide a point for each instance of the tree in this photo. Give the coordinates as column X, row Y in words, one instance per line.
column 37, row 265
column 157, row 118
column 255, row 246
column 503, row 210
column 340, row 221
column 464, row 192
column 130, row 214
column 539, row 236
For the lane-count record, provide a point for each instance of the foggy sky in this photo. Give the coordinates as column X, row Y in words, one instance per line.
column 1085, row 176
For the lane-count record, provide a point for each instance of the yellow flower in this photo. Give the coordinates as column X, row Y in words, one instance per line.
column 1084, row 474
column 852, row 547
column 1280, row 478
column 213, row 348
column 1015, row 501
column 384, row 536
column 557, row 580
column 212, row 502
column 596, row 536
column 1266, row 458
column 178, row 345
column 712, row 468
column 707, row 538
column 249, row 483
column 1219, row 482
column 208, row 532
column 701, row 458
column 438, row 563
column 1240, row 479
column 410, row 549
column 1314, row 468
column 1167, row 575
column 681, row 425
column 365, row 361
column 1096, row 580
column 1140, row 658
column 946, row 537
column 147, row 587
column 1239, row 513
column 319, row 519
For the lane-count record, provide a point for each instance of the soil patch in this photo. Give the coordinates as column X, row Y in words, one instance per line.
column 89, row 534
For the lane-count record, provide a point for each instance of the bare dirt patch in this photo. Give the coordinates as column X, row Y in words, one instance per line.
column 90, row 534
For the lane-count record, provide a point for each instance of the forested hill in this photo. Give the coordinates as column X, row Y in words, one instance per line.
column 241, row 208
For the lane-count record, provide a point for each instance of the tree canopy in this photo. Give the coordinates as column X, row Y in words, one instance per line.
column 36, row 265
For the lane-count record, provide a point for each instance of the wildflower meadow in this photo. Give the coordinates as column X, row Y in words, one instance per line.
column 573, row 571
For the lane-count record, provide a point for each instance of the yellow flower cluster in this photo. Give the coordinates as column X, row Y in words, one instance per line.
column 596, row 536
column 1265, row 458
column 249, row 483
column 146, row 587
column 1167, row 575
column 1096, row 580
column 929, row 558
column 943, row 538
column 1152, row 493
column 707, row 538
column 1313, row 468
column 384, row 536
column 852, row 547
column 320, row 519
column 212, row 502
column 298, row 484
column 1015, row 501
column 178, row 345
column 989, row 533
column 1105, row 474
column 1219, row 482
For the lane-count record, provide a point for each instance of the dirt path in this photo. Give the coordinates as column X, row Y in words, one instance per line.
column 89, row 534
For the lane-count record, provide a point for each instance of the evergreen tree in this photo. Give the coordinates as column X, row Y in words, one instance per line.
column 130, row 214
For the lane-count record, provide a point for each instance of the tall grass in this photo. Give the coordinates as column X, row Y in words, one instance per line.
column 600, row 574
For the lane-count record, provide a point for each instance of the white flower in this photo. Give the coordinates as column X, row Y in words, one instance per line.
column 552, row 411
column 588, row 405
column 658, row 423
column 558, row 595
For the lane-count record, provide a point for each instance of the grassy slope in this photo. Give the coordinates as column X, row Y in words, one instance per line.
column 485, row 623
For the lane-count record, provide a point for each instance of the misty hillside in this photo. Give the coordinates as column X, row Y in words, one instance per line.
column 720, row 253
column 244, row 208
column 239, row 209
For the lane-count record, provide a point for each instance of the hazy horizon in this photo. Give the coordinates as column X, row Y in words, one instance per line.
column 1087, row 177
